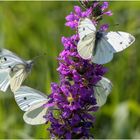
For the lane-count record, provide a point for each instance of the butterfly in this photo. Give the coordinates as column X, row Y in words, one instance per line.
column 31, row 101
column 101, row 91
column 13, row 70
column 100, row 46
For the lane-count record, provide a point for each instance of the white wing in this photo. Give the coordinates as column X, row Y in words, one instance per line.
column 119, row 40
column 27, row 97
column 4, row 79
column 102, row 90
column 17, row 79
column 86, row 27
column 87, row 32
column 103, row 52
column 9, row 59
column 35, row 115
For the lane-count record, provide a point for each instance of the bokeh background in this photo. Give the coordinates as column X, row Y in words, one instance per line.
column 33, row 28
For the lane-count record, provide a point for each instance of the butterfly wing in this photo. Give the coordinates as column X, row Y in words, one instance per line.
column 87, row 32
column 18, row 75
column 110, row 43
column 4, row 79
column 9, row 59
column 102, row 90
column 27, row 97
column 119, row 40
column 103, row 52
column 35, row 115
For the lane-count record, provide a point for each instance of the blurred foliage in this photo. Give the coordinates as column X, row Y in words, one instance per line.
column 33, row 28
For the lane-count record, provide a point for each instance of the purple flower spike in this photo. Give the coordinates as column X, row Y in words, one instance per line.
column 73, row 97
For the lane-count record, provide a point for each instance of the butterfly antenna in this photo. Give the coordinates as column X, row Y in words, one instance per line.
column 34, row 59
column 117, row 24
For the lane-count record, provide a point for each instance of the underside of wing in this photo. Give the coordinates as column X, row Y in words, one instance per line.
column 17, row 79
column 4, row 79
column 86, row 27
column 27, row 97
column 101, row 91
column 103, row 52
column 119, row 40
column 85, row 48
column 9, row 59
column 35, row 115
column 87, row 33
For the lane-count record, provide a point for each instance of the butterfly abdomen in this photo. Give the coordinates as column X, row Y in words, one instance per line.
column 98, row 36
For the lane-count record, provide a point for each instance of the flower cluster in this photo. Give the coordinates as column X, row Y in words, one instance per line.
column 74, row 97
column 96, row 10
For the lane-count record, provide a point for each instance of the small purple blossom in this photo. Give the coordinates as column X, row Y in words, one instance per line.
column 73, row 18
column 96, row 9
column 104, row 6
column 104, row 27
column 73, row 97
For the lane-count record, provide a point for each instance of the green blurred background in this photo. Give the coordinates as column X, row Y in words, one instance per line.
column 32, row 28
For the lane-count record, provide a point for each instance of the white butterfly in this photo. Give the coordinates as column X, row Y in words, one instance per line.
column 31, row 101
column 102, row 90
column 100, row 46
column 13, row 70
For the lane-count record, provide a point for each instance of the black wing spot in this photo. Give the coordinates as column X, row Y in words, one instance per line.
column 5, row 58
column 83, row 29
column 25, row 98
column 121, row 42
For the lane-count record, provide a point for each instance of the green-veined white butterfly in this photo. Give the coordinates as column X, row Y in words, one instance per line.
column 13, row 70
column 101, row 91
column 31, row 101
column 100, row 46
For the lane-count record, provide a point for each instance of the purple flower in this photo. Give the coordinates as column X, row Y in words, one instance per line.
column 73, row 18
column 104, row 6
column 104, row 27
column 73, row 97
column 96, row 10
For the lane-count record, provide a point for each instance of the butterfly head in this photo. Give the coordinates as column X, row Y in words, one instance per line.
column 29, row 65
column 99, row 35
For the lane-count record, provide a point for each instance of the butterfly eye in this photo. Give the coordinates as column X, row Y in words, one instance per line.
column 25, row 98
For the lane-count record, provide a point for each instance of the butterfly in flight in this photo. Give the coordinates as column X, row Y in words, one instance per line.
column 31, row 101
column 101, row 91
column 13, row 70
column 100, row 46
